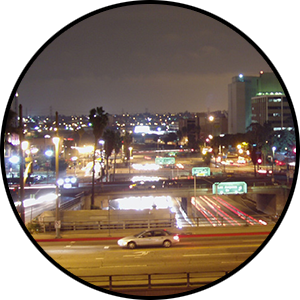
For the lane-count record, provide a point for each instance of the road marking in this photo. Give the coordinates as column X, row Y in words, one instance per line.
column 236, row 262
column 125, row 266
column 137, row 254
column 218, row 254
column 253, row 241
column 196, row 255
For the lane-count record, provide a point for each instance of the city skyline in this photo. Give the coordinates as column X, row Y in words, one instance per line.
column 133, row 59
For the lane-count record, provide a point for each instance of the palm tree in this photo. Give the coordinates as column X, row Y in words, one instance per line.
column 109, row 138
column 117, row 147
column 10, row 126
column 99, row 120
column 80, row 133
column 113, row 141
column 127, row 140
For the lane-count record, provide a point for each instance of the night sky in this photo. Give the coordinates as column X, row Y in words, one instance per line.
column 155, row 58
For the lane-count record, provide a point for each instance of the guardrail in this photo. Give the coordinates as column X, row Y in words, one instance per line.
column 105, row 225
column 222, row 221
column 69, row 204
column 46, row 226
column 155, row 280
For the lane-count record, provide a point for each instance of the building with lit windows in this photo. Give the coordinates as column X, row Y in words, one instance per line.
column 256, row 99
column 272, row 108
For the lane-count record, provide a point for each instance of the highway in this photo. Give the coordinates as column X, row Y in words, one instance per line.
column 39, row 198
column 218, row 210
column 207, row 210
column 212, row 256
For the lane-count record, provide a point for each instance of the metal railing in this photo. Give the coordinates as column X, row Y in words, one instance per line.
column 105, row 225
column 222, row 221
column 155, row 280
column 72, row 202
column 46, row 226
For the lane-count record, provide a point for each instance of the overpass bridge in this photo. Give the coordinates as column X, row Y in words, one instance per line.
column 269, row 199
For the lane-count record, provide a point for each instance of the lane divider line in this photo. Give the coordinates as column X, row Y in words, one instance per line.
column 181, row 236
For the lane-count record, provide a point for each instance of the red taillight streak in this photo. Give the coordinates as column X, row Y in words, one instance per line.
column 218, row 209
column 205, row 212
column 237, row 211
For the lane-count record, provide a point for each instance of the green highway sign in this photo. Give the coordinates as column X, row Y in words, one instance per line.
column 226, row 188
column 201, row 171
column 165, row 160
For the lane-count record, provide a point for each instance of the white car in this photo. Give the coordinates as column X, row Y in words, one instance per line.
column 154, row 237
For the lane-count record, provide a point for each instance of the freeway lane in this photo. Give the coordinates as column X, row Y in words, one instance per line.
column 223, row 211
column 87, row 259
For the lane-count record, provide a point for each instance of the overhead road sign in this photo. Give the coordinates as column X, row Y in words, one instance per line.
column 229, row 188
column 165, row 160
column 201, row 171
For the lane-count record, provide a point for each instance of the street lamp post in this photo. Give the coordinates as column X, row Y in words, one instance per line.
column 130, row 153
column 21, row 138
column 273, row 154
column 57, row 212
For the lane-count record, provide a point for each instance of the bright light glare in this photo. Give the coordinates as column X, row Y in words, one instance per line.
column 144, row 178
column 49, row 153
column 14, row 159
column 146, row 167
column 179, row 166
column 32, row 201
column 73, row 180
column 140, row 203
column 60, row 181
column 263, row 222
column 85, row 150
column 176, row 237
column 55, row 141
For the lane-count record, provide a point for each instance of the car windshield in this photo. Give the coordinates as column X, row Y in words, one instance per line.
column 136, row 235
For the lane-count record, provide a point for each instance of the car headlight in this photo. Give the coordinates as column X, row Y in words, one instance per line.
column 60, row 182
column 121, row 243
column 176, row 238
column 73, row 180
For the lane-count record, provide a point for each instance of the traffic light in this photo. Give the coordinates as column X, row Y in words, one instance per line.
column 259, row 161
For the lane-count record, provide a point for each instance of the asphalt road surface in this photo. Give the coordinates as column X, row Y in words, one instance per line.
column 211, row 257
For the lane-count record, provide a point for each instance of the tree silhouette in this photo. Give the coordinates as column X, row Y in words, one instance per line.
column 99, row 120
column 109, row 138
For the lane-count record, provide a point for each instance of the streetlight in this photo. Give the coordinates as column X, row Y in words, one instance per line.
column 24, row 145
column 273, row 154
column 48, row 153
column 57, row 213
column 130, row 153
